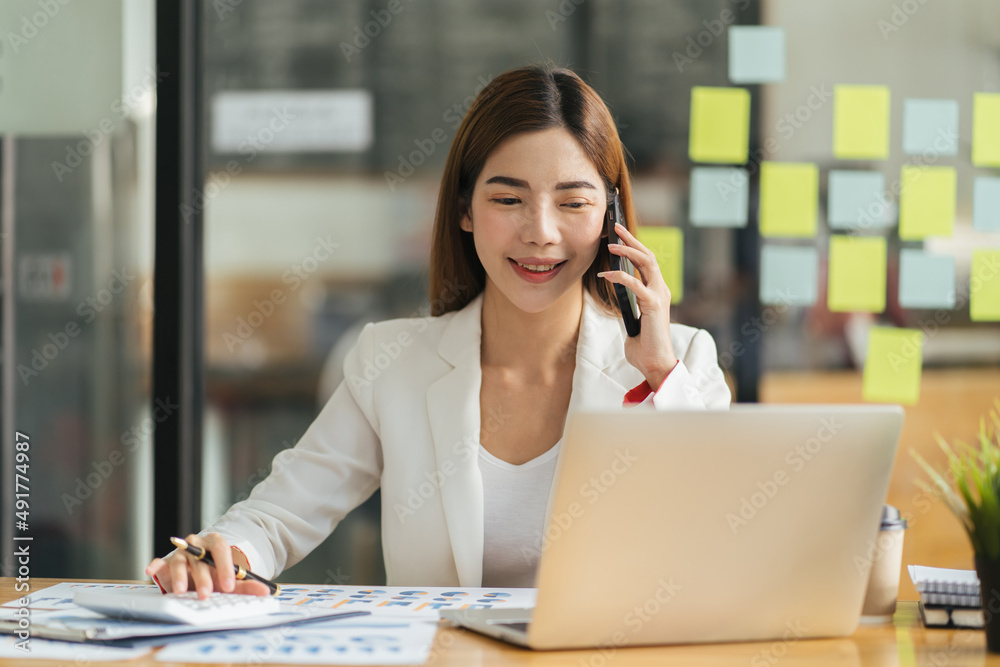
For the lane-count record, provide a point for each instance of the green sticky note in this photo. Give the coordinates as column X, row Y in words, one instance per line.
column 986, row 129
column 892, row 365
column 720, row 125
column 926, row 202
column 984, row 286
column 789, row 199
column 861, row 122
column 667, row 243
column 856, row 276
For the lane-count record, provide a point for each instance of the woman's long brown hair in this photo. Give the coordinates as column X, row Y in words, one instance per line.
column 527, row 99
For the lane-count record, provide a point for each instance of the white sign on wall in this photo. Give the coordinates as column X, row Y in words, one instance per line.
column 291, row 121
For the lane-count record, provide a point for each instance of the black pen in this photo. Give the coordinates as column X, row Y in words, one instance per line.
column 241, row 572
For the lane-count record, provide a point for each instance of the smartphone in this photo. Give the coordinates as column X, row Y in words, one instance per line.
column 626, row 298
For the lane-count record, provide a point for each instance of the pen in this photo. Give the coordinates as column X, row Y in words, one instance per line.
column 241, row 572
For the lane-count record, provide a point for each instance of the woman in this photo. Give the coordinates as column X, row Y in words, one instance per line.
column 458, row 416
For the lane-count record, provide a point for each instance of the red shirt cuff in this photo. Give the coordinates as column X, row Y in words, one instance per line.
column 249, row 569
column 638, row 394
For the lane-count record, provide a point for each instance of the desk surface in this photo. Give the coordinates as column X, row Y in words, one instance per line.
column 902, row 644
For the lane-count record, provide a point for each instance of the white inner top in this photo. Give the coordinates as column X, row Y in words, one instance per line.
column 515, row 498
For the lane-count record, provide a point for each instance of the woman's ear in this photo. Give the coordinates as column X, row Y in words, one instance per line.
column 464, row 222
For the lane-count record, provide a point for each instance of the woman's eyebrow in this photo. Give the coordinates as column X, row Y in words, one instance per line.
column 573, row 185
column 518, row 183
column 507, row 180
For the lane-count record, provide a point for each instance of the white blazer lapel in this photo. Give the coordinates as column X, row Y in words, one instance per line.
column 453, row 411
column 599, row 348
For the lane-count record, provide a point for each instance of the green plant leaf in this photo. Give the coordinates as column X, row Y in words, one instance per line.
column 973, row 493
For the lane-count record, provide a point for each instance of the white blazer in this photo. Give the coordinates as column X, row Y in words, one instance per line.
column 406, row 418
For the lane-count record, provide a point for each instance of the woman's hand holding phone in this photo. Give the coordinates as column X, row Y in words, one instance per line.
column 652, row 351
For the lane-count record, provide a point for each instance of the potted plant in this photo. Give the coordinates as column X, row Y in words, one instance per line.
column 971, row 488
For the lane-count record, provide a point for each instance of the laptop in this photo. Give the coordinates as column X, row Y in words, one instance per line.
column 757, row 523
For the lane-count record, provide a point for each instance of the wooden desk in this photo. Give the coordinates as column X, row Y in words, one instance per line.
column 902, row 644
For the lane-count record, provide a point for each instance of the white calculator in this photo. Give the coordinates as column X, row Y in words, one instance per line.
column 175, row 607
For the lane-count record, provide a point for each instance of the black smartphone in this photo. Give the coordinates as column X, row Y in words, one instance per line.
column 626, row 298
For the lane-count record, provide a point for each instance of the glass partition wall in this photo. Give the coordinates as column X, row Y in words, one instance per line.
column 76, row 114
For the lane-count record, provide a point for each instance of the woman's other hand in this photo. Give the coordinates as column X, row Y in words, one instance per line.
column 180, row 571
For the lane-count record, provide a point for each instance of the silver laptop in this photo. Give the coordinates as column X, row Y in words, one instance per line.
column 685, row 527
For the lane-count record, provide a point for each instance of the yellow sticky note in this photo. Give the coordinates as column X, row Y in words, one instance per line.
column 984, row 286
column 789, row 198
column 986, row 129
column 856, row 277
column 926, row 202
column 892, row 365
column 667, row 243
column 720, row 125
column 861, row 122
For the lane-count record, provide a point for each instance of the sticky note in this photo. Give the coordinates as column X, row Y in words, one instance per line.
column 931, row 126
column 720, row 125
column 719, row 197
column 667, row 243
column 856, row 274
column 861, row 122
column 986, row 204
column 788, row 275
column 857, row 200
column 789, row 196
column 892, row 365
column 926, row 280
column 926, row 202
column 756, row 54
column 986, row 129
column 984, row 286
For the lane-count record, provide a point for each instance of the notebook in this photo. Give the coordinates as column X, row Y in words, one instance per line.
column 689, row 527
column 948, row 597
